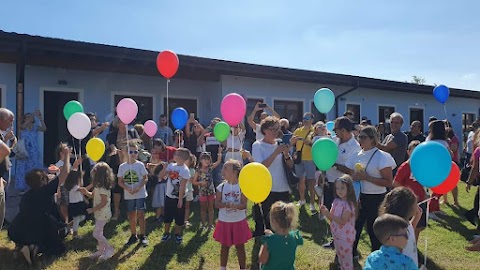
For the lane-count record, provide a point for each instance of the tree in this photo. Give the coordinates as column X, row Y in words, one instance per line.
column 418, row 80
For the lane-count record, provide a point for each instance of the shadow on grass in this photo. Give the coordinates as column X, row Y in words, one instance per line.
column 312, row 225
column 9, row 258
column 192, row 247
column 112, row 263
column 431, row 265
column 454, row 223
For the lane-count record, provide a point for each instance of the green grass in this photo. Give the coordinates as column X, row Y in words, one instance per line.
column 446, row 242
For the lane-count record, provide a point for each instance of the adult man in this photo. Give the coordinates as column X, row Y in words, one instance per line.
column 284, row 125
column 164, row 132
column 470, row 141
column 396, row 142
column 302, row 138
column 6, row 121
column 415, row 133
column 251, row 118
column 350, row 115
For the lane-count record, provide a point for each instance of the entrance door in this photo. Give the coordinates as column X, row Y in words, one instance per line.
column 56, row 124
column 188, row 104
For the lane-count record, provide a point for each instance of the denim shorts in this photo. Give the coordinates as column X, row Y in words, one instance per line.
column 306, row 169
column 136, row 204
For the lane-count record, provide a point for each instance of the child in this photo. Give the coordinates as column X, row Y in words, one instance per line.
column 158, row 200
column 320, row 131
column 191, row 163
column 342, row 220
column 76, row 202
column 392, row 232
column 232, row 227
column 132, row 177
column 278, row 249
column 404, row 177
column 320, row 184
column 178, row 176
column 62, row 193
column 102, row 181
column 402, row 202
column 203, row 178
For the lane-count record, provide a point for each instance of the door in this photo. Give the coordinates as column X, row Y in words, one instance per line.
column 188, row 104
column 56, row 124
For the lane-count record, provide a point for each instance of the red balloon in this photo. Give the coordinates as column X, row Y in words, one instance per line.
column 167, row 64
column 451, row 182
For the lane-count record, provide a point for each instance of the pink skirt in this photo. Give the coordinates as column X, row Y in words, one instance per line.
column 232, row 233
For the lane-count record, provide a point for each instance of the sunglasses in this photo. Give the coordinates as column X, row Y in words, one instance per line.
column 401, row 234
column 363, row 137
column 341, row 180
column 307, row 118
column 133, row 152
column 206, row 153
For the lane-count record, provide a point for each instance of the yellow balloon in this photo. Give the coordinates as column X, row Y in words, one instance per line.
column 95, row 149
column 255, row 182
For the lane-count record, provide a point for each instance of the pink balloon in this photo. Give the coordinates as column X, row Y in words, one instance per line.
column 150, row 128
column 233, row 109
column 127, row 110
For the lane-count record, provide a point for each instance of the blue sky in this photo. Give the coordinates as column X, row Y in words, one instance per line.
column 437, row 40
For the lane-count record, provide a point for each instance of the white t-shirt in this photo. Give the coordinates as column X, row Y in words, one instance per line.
column 260, row 152
column 211, row 140
column 176, row 173
column 442, row 142
column 189, row 186
column 231, row 194
column 236, row 142
column 410, row 249
column 345, row 151
column 74, row 196
column 470, row 137
column 133, row 175
column 258, row 133
column 104, row 213
column 379, row 161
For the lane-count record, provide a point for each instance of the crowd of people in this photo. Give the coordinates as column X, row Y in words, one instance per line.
column 370, row 183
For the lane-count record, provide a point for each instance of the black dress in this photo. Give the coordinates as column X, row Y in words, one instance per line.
column 38, row 219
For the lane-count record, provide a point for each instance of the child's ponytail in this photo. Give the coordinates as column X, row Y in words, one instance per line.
column 284, row 214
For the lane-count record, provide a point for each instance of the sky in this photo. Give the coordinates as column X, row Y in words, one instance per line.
column 437, row 40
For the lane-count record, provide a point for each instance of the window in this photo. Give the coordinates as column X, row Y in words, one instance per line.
column 188, row 104
column 416, row 114
column 318, row 115
column 292, row 110
column 355, row 108
column 145, row 107
column 384, row 113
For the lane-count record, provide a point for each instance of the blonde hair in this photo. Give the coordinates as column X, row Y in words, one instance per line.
column 236, row 165
column 102, row 176
column 284, row 215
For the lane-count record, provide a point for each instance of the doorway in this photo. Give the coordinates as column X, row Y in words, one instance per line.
column 188, row 104
column 56, row 124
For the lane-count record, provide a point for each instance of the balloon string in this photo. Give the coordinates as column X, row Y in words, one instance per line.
column 128, row 153
column 168, row 116
column 263, row 218
column 426, row 240
column 80, row 156
column 445, row 110
column 74, row 148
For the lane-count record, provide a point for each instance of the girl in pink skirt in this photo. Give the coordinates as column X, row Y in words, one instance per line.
column 232, row 227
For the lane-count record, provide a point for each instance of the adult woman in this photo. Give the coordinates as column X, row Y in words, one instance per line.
column 375, row 176
column 35, row 229
column 234, row 143
column 117, row 154
column 436, row 132
column 194, row 141
column 269, row 153
column 29, row 134
column 474, row 174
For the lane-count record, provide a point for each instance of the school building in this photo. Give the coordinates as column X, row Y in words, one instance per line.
column 45, row 73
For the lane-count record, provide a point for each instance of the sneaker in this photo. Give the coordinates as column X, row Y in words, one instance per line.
column 321, row 217
column 301, row 203
column 434, row 216
column 211, row 227
column 95, row 255
column 178, row 239
column 107, row 255
column 166, row 237
column 313, row 209
column 188, row 224
column 132, row 240
column 142, row 239
column 330, row 245
column 202, row 227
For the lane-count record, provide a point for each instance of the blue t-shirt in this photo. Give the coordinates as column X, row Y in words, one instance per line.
column 389, row 258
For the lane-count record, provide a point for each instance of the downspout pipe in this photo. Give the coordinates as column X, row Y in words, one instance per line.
column 337, row 98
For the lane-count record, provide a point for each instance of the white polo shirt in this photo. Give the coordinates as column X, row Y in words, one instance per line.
column 345, row 151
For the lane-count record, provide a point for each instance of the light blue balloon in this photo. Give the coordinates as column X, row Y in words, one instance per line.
column 324, row 100
column 430, row 163
column 330, row 125
column 179, row 118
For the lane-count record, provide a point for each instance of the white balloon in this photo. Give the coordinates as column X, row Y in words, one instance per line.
column 79, row 125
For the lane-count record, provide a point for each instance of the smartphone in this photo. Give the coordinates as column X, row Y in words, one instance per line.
column 192, row 115
column 262, row 105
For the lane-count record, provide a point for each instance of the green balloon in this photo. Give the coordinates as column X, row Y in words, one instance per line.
column 221, row 131
column 324, row 153
column 72, row 107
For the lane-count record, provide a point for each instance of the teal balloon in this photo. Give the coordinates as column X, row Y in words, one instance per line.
column 330, row 125
column 324, row 153
column 221, row 131
column 324, row 100
column 72, row 107
column 430, row 163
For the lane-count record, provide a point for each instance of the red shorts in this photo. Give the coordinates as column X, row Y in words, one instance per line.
column 209, row 198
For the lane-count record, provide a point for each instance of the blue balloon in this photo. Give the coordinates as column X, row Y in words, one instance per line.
column 324, row 100
column 330, row 125
column 179, row 118
column 430, row 163
column 441, row 93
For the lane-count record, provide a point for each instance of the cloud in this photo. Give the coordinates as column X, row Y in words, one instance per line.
column 469, row 76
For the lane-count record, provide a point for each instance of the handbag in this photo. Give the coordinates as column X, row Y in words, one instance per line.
column 20, row 150
column 297, row 159
column 292, row 178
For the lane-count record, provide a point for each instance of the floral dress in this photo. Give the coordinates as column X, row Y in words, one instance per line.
column 23, row 166
column 206, row 177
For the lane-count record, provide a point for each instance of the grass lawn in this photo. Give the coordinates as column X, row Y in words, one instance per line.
column 446, row 241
